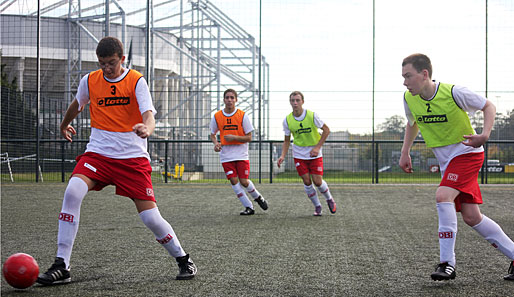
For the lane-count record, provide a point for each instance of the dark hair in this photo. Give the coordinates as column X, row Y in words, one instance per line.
column 229, row 91
column 419, row 62
column 109, row 46
column 294, row 93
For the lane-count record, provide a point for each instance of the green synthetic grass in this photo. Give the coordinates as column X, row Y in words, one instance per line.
column 333, row 177
column 381, row 242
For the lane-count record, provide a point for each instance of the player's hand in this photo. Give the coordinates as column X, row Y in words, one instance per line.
column 475, row 140
column 141, row 130
column 217, row 147
column 406, row 163
column 280, row 161
column 68, row 132
column 314, row 152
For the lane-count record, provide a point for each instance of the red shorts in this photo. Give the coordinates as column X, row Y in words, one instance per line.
column 132, row 177
column 240, row 168
column 313, row 166
column 462, row 175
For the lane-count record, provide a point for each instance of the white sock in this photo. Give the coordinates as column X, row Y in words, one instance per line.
column 324, row 190
column 447, row 232
column 493, row 233
column 238, row 189
column 252, row 190
column 163, row 231
column 312, row 194
column 69, row 218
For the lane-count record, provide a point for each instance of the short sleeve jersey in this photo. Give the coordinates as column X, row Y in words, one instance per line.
column 303, row 152
column 468, row 101
column 116, row 144
column 233, row 152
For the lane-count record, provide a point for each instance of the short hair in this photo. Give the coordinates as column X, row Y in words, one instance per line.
column 229, row 91
column 294, row 93
column 109, row 46
column 419, row 62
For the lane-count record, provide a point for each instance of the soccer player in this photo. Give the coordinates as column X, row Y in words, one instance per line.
column 308, row 158
column 440, row 110
column 235, row 133
column 122, row 118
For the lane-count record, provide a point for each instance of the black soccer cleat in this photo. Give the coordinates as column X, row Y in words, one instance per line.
column 247, row 212
column 443, row 271
column 332, row 205
column 262, row 203
column 510, row 276
column 186, row 267
column 57, row 274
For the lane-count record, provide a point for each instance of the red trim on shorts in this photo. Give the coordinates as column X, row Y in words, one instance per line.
column 239, row 168
column 312, row 166
column 132, row 177
column 462, row 175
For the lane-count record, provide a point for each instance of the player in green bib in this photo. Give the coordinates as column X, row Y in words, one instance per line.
column 440, row 112
column 308, row 158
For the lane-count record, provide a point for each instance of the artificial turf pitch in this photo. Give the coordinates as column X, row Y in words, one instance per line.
column 381, row 242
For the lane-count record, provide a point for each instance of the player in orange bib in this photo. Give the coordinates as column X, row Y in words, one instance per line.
column 235, row 133
column 122, row 118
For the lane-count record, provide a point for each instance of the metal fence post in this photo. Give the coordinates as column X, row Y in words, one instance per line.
column 376, row 162
column 271, row 162
column 165, row 162
column 62, row 161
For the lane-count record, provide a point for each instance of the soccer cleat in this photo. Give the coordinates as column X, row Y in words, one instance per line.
column 57, row 274
column 248, row 211
column 443, row 271
column 317, row 211
column 332, row 205
column 510, row 276
column 262, row 203
column 186, row 267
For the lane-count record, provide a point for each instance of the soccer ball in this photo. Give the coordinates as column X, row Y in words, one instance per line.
column 20, row 270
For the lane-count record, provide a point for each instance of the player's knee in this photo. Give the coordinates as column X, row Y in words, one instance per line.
column 471, row 214
column 471, row 219
column 151, row 218
column 442, row 196
column 74, row 194
column 446, row 194
column 244, row 182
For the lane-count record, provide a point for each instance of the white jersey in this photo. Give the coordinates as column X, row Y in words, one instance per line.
column 234, row 152
column 303, row 152
column 118, row 145
column 470, row 102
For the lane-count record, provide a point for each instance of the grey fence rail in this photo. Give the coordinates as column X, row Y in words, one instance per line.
column 353, row 161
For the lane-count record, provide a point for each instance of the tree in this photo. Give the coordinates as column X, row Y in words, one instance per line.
column 18, row 120
column 504, row 127
column 394, row 125
column 392, row 129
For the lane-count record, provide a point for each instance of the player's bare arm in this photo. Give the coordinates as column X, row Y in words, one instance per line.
column 410, row 134
column 324, row 135
column 147, row 127
column 217, row 145
column 67, row 131
column 479, row 139
column 245, row 138
column 285, row 148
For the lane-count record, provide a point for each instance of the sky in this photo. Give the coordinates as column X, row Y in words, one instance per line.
column 324, row 48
